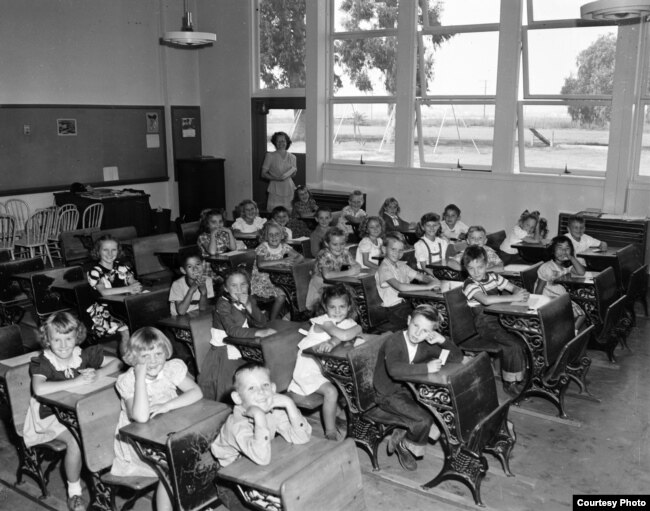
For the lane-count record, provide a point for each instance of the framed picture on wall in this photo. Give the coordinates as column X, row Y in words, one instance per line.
column 152, row 122
column 189, row 127
column 66, row 127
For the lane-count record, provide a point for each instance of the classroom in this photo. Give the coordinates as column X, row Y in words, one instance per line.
column 490, row 106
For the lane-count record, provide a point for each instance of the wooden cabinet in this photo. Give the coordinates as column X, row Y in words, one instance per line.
column 121, row 207
column 200, row 186
column 615, row 232
column 335, row 199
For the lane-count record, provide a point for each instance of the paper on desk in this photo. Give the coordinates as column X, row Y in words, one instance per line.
column 19, row 360
column 87, row 388
column 302, row 238
column 235, row 252
column 534, row 302
column 516, row 267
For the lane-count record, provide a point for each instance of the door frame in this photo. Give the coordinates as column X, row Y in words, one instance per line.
column 259, row 110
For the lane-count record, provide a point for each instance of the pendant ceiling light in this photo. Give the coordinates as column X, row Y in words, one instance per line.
column 187, row 37
column 615, row 10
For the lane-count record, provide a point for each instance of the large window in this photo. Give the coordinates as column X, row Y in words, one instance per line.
column 281, row 39
column 565, row 110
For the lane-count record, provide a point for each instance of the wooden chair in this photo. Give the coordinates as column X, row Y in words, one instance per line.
column 607, row 291
column 65, row 220
column 19, row 209
column 373, row 304
column 201, row 329
column 7, row 235
column 462, row 329
column 627, row 260
column 188, row 232
column 76, row 245
column 637, row 290
column 472, row 423
column 494, row 240
column 98, row 415
column 529, row 277
column 13, row 299
column 11, row 342
column 92, row 216
column 368, row 424
column 148, row 267
column 192, row 467
column 18, row 383
column 145, row 309
column 611, row 332
column 34, row 240
column 561, row 349
column 47, row 300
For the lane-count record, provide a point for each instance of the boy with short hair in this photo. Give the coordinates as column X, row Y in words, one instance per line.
column 259, row 413
column 416, row 350
column 394, row 276
column 452, row 229
column 193, row 290
column 324, row 218
column 477, row 235
column 581, row 242
column 352, row 213
column 484, row 288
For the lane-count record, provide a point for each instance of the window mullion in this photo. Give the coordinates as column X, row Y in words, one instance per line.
column 405, row 96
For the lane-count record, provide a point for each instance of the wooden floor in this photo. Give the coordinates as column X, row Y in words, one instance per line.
column 604, row 448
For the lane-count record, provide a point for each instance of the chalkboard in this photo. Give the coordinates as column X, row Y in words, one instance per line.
column 48, row 147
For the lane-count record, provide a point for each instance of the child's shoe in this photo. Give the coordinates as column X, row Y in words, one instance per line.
column 405, row 458
column 76, row 503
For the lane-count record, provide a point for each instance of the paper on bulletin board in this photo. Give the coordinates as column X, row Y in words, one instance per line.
column 111, row 174
column 153, row 140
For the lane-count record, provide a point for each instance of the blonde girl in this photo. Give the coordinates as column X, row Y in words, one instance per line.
column 249, row 220
column 151, row 386
column 371, row 246
column 60, row 366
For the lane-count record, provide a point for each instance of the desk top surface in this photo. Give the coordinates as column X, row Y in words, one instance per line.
column 16, row 361
column 126, row 296
column 161, row 426
column 183, row 321
column 439, row 378
column 596, row 252
column 68, row 399
column 226, row 256
column 528, row 308
column 351, row 279
column 287, row 460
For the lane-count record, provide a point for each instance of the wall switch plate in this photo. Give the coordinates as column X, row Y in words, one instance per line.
column 27, row 129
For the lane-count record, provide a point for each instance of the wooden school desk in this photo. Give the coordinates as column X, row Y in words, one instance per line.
column 176, row 445
column 320, row 474
column 434, row 298
column 532, row 252
column 142, row 309
column 7, row 364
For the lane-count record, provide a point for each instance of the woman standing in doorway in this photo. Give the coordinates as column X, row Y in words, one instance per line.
column 279, row 167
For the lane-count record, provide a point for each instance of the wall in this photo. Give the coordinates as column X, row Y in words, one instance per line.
column 95, row 52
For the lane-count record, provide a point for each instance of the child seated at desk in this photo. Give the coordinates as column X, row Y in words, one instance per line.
column 61, row 365
column 259, row 414
column 151, row 386
column 304, row 205
column 582, row 242
column 395, row 276
column 295, row 227
column 193, row 290
column 110, row 276
column 235, row 315
column 530, row 228
column 389, row 212
column 415, row 350
column 484, row 288
column 452, row 229
column 324, row 219
column 430, row 248
column 331, row 262
column 563, row 262
column 352, row 214
column 371, row 230
column 214, row 238
column 249, row 220
column 477, row 235
column 327, row 331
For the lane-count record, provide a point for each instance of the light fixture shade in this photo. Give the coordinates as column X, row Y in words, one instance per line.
column 189, row 38
column 615, row 10
column 186, row 36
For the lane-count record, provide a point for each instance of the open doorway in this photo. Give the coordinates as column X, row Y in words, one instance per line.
column 268, row 116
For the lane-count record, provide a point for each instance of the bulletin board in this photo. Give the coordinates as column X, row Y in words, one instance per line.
column 49, row 147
